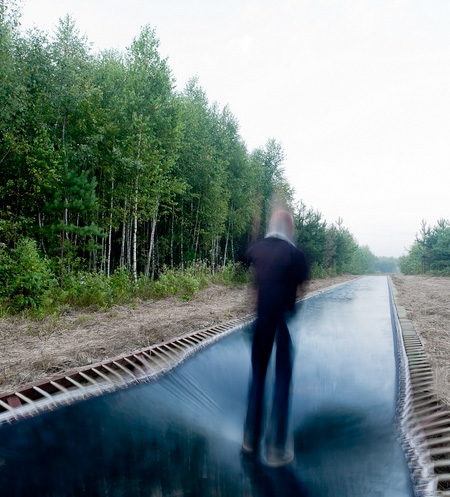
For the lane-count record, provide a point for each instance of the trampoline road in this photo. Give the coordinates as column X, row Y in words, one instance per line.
column 181, row 434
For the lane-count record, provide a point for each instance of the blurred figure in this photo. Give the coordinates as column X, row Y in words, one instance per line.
column 280, row 268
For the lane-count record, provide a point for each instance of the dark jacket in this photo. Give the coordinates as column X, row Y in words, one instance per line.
column 279, row 268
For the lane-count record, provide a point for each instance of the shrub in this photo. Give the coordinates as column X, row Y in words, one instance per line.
column 199, row 271
column 25, row 275
column 233, row 274
column 189, row 286
column 166, row 284
column 121, row 285
column 316, row 271
column 177, row 282
column 84, row 289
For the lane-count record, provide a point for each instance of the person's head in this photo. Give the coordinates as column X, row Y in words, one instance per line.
column 282, row 222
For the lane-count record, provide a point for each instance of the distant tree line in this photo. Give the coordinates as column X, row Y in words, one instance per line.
column 430, row 252
column 105, row 167
column 332, row 249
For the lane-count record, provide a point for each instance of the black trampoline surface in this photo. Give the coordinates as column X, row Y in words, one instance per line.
column 181, row 435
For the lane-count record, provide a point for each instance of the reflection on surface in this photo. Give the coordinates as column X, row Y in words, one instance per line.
column 262, row 481
column 182, row 434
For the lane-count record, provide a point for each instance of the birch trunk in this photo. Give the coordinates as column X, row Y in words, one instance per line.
column 103, row 256
column 135, row 224
column 136, row 199
column 213, row 256
column 182, row 239
column 111, row 206
column 226, row 242
column 152, row 239
column 196, row 233
column 196, row 244
column 124, row 235
column 129, row 234
column 171, row 237
column 153, row 263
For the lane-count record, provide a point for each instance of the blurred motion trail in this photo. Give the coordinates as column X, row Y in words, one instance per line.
column 182, row 434
column 32, row 351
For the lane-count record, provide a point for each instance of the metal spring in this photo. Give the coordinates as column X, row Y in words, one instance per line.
column 109, row 375
column 425, row 419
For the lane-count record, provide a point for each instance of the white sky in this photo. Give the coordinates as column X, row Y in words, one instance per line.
column 356, row 91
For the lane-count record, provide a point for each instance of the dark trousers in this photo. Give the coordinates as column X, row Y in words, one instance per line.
column 268, row 327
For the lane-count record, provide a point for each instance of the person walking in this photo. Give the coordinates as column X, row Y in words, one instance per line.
column 279, row 269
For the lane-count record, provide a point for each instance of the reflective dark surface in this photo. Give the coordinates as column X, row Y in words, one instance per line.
column 181, row 435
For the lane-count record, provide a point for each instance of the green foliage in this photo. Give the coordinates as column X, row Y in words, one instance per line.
column 171, row 282
column 121, row 287
column 185, row 283
column 430, row 253
column 104, row 165
column 386, row 265
column 232, row 274
column 332, row 272
column 84, row 289
column 412, row 262
column 102, row 146
column 317, row 271
column 200, row 271
column 340, row 247
column 440, row 248
column 6, row 273
column 165, row 286
column 25, row 275
column 96, row 290
column 311, row 233
column 332, row 250
column 362, row 261
column 272, row 188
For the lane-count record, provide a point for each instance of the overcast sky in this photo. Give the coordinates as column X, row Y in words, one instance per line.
column 356, row 91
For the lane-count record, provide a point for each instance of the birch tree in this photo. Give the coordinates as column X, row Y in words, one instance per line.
column 152, row 140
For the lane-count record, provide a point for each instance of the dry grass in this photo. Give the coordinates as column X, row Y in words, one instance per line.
column 427, row 302
column 31, row 351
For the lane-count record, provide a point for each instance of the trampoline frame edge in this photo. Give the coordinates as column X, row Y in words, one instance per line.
column 119, row 372
column 424, row 424
column 111, row 374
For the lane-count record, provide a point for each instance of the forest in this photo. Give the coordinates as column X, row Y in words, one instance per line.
column 430, row 253
column 115, row 184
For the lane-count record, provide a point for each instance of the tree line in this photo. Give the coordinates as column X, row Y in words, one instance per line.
column 105, row 166
column 430, row 252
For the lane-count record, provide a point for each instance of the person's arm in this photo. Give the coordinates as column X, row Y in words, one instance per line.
column 301, row 267
column 301, row 273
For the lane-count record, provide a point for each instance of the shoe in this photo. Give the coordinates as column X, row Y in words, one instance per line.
column 247, row 448
column 278, row 457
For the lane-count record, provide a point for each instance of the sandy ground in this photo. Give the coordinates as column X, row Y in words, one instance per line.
column 31, row 351
column 427, row 303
